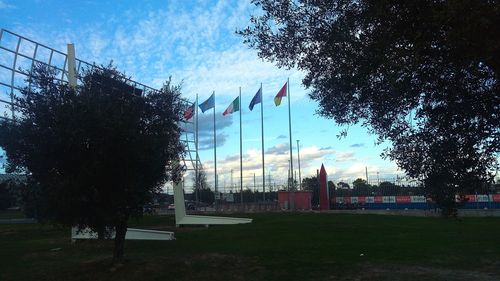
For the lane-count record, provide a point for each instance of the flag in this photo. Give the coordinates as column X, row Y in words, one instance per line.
column 233, row 107
column 209, row 103
column 189, row 112
column 281, row 93
column 256, row 99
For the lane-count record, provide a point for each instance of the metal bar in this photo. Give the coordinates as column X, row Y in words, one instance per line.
column 12, row 77
column 262, row 137
column 241, row 151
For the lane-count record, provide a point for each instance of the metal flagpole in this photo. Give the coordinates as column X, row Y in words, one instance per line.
column 262, row 134
column 215, row 148
column 196, row 173
column 290, row 129
column 298, row 158
column 241, row 150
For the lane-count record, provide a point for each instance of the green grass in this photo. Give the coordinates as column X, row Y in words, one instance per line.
column 274, row 247
column 12, row 215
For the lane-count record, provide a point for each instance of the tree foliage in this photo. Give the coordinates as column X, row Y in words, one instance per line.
column 9, row 193
column 312, row 184
column 98, row 152
column 423, row 75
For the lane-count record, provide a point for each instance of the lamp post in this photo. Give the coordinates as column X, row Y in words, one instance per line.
column 298, row 156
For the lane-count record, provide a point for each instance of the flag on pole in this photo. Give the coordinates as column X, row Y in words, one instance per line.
column 281, row 93
column 233, row 107
column 209, row 103
column 256, row 99
column 189, row 112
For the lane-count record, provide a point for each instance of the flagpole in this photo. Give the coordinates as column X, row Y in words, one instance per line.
column 215, row 148
column 290, row 129
column 262, row 134
column 196, row 174
column 241, row 150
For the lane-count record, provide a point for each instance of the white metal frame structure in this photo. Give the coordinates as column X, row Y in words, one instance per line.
column 132, row 234
column 182, row 218
column 18, row 56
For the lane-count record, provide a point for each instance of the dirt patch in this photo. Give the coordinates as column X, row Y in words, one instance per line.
column 210, row 266
column 420, row 272
column 7, row 232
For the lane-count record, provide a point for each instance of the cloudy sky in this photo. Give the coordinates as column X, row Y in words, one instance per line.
column 195, row 43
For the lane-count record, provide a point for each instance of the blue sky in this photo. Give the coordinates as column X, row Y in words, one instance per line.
column 194, row 42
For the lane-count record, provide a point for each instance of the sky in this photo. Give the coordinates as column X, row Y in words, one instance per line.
column 194, row 43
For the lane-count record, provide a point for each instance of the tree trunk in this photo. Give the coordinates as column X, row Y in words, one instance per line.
column 101, row 233
column 120, row 231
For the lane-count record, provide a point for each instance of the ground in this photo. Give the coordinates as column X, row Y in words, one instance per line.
column 276, row 246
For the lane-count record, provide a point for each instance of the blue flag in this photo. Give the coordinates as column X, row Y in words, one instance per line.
column 209, row 103
column 256, row 99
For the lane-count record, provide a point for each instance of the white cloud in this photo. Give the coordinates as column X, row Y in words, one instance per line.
column 5, row 5
column 196, row 46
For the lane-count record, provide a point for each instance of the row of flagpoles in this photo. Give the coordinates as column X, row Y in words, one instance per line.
column 234, row 106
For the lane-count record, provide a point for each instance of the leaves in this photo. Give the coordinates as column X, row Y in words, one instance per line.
column 421, row 74
column 99, row 152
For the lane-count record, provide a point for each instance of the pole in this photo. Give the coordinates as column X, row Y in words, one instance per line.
column 215, row 148
column 366, row 172
column 241, row 152
column 269, row 181
column 290, row 128
column 298, row 157
column 71, row 66
column 254, row 188
column 288, row 184
column 294, row 180
column 262, row 134
column 196, row 174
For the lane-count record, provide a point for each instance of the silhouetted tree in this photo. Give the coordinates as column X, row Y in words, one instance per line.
column 206, row 195
column 98, row 152
column 421, row 74
column 343, row 185
column 361, row 187
column 312, row 184
column 7, row 194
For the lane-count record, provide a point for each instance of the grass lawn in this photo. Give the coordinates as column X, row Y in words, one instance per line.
column 12, row 215
column 275, row 246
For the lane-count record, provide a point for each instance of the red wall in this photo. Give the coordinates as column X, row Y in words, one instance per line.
column 301, row 199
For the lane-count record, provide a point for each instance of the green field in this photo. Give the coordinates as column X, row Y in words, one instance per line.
column 274, row 247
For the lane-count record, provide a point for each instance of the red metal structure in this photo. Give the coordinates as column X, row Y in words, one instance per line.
column 301, row 200
column 323, row 190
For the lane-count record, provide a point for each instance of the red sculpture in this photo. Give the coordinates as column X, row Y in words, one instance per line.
column 324, row 202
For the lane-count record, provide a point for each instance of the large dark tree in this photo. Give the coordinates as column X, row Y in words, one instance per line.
column 423, row 75
column 99, row 152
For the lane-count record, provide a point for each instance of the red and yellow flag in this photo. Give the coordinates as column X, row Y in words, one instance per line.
column 281, row 93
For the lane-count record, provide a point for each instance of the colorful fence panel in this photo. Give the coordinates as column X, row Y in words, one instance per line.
column 472, row 201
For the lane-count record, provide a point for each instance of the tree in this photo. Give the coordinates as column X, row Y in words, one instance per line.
column 202, row 185
column 361, row 187
column 206, row 195
column 343, row 185
column 98, row 152
column 7, row 198
column 420, row 74
column 312, row 184
column 359, row 183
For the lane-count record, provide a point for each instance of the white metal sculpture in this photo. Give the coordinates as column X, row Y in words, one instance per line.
column 132, row 234
column 182, row 218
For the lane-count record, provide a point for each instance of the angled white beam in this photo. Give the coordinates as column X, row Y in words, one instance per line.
column 71, row 65
column 132, row 234
column 181, row 218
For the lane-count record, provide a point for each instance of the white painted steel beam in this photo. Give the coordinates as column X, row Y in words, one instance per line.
column 182, row 218
column 132, row 234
